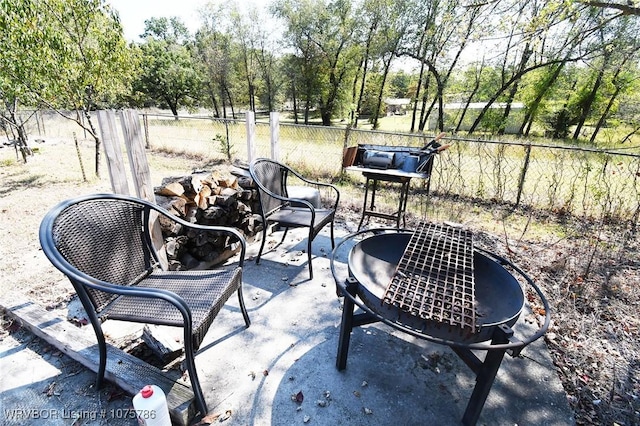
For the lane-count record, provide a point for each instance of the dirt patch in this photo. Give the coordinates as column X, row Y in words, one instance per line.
column 589, row 271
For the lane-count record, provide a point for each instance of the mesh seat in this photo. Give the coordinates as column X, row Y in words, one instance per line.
column 277, row 207
column 103, row 244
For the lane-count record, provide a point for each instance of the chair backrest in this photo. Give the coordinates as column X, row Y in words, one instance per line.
column 102, row 237
column 271, row 177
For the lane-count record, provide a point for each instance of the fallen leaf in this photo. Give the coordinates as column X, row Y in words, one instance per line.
column 356, row 394
column 116, row 394
column 209, row 419
column 299, row 397
column 50, row 390
column 265, row 373
column 12, row 327
column 226, row 415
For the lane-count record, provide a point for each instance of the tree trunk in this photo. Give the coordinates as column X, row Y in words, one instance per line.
column 526, row 54
column 588, row 102
column 533, row 108
column 604, row 115
column 17, row 124
column 214, row 100
column 466, row 105
column 385, row 74
column 438, row 98
column 94, row 135
column 294, row 96
column 365, row 69
column 353, row 114
column 415, row 99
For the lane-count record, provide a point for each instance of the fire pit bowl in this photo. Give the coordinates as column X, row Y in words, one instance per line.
column 499, row 296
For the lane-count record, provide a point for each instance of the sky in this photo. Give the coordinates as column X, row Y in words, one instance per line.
column 133, row 13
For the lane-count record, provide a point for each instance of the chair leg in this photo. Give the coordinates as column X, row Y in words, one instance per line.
column 102, row 350
column 264, row 239
column 245, row 314
column 333, row 241
column 284, row 235
column 102, row 344
column 309, row 252
column 198, row 395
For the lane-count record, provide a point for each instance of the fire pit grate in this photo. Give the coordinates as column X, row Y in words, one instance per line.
column 434, row 279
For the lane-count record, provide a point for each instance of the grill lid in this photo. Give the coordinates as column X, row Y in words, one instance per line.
column 434, row 279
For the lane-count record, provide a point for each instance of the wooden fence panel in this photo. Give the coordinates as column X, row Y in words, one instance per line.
column 113, row 152
column 134, row 141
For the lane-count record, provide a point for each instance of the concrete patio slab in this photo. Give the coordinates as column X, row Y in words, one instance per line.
column 282, row 369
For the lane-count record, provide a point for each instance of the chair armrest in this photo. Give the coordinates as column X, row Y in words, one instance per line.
column 334, row 189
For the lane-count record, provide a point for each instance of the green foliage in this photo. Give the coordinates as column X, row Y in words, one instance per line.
column 400, row 83
column 168, row 73
column 224, row 146
column 65, row 53
column 492, row 121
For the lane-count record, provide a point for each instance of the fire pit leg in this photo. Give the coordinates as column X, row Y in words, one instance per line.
column 349, row 321
column 485, row 376
column 345, row 332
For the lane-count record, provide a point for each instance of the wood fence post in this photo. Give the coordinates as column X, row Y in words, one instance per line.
column 251, row 136
column 274, row 123
column 145, row 120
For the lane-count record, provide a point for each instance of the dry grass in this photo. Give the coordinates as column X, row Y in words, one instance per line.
column 589, row 271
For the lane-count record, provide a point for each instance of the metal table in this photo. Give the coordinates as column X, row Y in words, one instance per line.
column 385, row 175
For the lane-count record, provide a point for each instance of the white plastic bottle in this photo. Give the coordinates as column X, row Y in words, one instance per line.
column 151, row 407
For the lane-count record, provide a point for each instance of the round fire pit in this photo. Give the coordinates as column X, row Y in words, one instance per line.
column 499, row 299
column 433, row 284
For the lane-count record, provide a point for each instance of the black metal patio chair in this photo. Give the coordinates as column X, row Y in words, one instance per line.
column 277, row 207
column 103, row 244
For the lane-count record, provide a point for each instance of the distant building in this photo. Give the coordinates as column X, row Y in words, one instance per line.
column 396, row 106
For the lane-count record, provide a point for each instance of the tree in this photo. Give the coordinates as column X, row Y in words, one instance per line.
column 436, row 37
column 64, row 54
column 214, row 47
column 390, row 23
column 246, row 34
column 168, row 73
column 322, row 33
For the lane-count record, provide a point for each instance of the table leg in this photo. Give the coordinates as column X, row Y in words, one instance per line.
column 402, row 206
column 373, row 194
column 364, row 206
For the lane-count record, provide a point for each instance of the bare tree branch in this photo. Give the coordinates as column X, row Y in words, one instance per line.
column 627, row 8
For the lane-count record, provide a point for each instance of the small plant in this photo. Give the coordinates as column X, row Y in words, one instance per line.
column 224, row 146
column 7, row 162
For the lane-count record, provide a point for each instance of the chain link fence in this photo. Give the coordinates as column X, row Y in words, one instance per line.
column 583, row 182
column 580, row 181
